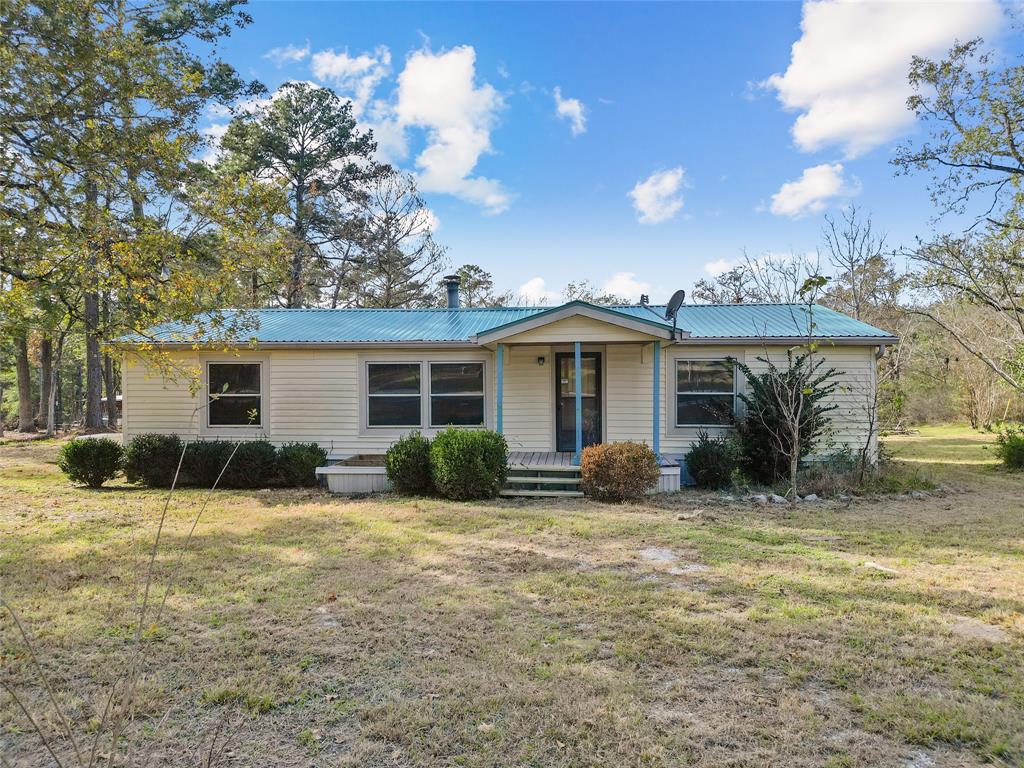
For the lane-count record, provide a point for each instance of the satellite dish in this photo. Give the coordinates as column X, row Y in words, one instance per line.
column 674, row 303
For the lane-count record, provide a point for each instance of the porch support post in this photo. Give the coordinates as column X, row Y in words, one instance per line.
column 657, row 400
column 499, row 405
column 578, row 350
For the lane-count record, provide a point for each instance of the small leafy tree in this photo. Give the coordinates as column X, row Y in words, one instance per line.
column 785, row 414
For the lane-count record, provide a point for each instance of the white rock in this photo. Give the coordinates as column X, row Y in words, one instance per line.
column 688, row 568
column 882, row 568
column 918, row 495
column 759, row 498
column 811, row 497
column 776, row 499
column 658, row 555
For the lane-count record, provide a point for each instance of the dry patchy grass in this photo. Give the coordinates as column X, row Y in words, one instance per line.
column 412, row 632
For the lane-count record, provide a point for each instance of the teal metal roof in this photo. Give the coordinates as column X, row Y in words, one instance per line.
column 387, row 326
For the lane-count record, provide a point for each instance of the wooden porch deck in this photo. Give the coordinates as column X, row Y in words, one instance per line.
column 540, row 458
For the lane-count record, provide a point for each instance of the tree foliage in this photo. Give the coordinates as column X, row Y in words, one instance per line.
column 305, row 138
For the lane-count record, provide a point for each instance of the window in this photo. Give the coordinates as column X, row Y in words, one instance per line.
column 705, row 392
column 234, row 395
column 393, row 395
column 456, row 394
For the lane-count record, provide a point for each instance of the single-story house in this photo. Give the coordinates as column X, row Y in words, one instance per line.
column 355, row 380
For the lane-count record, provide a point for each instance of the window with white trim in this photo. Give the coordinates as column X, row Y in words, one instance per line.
column 235, row 395
column 393, row 394
column 456, row 394
column 705, row 392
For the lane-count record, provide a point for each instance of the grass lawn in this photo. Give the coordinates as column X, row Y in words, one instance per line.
column 691, row 630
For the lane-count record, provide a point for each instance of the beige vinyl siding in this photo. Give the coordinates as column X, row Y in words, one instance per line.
column 851, row 421
column 315, row 394
column 573, row 329
column 310, row 395
column 529, row 393
column 629, row 379
column 152, row 404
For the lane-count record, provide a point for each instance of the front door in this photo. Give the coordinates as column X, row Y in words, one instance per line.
column 565, row 399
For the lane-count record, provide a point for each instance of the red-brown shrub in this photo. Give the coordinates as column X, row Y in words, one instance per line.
column 618, row 471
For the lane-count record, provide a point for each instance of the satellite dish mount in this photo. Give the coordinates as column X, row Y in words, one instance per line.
column 672, row 310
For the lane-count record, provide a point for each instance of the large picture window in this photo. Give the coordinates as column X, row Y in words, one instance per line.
column 705, row 392
column 235, row 398
column 393, row 394
column 456, row 394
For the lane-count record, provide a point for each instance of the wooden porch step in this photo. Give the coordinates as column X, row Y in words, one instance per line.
column 513, row 492
column 571, row 468
column 527, row 479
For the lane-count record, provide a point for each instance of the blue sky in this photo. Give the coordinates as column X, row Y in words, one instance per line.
column 639, row 146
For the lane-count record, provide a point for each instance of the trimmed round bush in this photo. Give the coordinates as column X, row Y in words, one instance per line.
column 254, row 466
column 712, row 460
column 1010, row 447
column 408, row 464
column 297, row 463
column 152, row 459
column 204, row 460
column 468, row 463
column 618, row 471
column 91, row 462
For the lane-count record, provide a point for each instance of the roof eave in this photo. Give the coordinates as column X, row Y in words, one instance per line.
column 849, row 341
column 571, row 309
column 177, row 345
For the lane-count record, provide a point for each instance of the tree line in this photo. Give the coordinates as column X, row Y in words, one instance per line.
column 117, row 212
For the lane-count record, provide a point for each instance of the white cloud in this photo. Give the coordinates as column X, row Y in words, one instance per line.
column 626, row 285
column 657, row 198
column 354, row 76
column 847, row 74
column 718, row 267
column 571, row 110
column 287, row 54
column 813, row 191
column 438, row 92
column 536, row 291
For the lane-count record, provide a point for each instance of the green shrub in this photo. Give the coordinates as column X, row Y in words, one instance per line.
column 91, row 462
column 152, row 459
column 468, row 464
column 618, row 471
column 1010, row 447
column 297, row 463
column 771, row 398
column 254, row 466
column 408, row 464
column 712, row 461
column 204, row 460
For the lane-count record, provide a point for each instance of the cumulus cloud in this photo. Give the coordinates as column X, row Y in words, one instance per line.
column 353, row 76
column 535, row 291
column 287, row 54
column 571, row 110
column 657, row 198
column 439, row 93
column 625, row 285
column 816, row 188
column 718, row 267
column 847, row 75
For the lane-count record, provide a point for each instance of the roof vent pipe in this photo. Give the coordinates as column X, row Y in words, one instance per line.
column 451, row 282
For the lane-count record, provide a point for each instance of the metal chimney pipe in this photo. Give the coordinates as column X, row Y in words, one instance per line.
column 451, row 282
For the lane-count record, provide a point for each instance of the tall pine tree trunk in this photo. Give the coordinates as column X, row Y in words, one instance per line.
column 93, row 363
column 52, row 405
column 110, row 384
column 45, row 382
column 25, row 423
